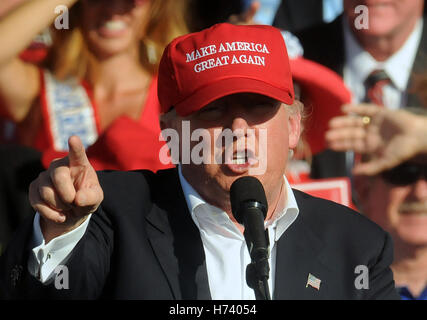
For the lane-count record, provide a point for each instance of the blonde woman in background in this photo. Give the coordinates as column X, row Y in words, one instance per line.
column 100, row 71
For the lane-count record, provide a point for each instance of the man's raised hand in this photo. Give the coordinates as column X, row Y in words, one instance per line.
column 66, row 193
column 390, row 137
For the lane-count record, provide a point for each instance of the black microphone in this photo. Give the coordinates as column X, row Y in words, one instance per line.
column 249, row 207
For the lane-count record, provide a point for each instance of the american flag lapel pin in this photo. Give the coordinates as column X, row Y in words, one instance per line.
column 313, row 282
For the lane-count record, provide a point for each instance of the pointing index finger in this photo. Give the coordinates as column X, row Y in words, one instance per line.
column 77, row 154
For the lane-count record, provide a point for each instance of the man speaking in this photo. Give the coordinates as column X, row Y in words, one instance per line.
column 172, row 234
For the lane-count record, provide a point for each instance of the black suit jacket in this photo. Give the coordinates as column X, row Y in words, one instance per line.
column 19, row 165
column 324, row 44
column 143, row 244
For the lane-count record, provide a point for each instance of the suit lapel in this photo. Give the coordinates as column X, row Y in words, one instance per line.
column 298, row 254
column 176, row 240
column 161, row 240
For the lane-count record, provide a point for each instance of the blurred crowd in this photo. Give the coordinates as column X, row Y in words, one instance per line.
column 361, row 73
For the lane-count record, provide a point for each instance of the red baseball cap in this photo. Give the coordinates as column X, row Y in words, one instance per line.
column 224, row 59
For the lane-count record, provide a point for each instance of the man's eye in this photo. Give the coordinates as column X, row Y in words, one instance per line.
column 265, row 106
column 210, row 109
column 210, row 113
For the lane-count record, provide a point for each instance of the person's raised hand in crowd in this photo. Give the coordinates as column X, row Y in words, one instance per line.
column 246, row 17
column 389, row 136
column 66, row 193
column 6, row 6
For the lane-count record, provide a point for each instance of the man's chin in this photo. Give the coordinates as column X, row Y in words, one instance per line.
column 412, row 230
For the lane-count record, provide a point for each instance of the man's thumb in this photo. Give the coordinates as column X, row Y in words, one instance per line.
column 77, row 153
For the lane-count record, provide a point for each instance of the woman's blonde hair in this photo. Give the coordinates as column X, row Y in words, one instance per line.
column 69, row 55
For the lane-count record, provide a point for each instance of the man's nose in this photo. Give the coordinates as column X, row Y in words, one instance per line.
column 420, row 189
column 238, row 117
column 239, row 123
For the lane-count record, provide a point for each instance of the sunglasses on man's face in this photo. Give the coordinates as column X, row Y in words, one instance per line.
column 405, row 174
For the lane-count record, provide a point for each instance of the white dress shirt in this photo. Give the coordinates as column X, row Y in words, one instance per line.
column 359, row 64
column 225, row 248
column 46, row 257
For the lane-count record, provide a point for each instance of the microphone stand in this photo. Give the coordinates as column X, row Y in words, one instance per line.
column 257, row 272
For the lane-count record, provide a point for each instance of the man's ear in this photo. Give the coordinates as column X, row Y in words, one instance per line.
column 170, row 125
column 169, row 120
column 294, row 127
column 164, row 122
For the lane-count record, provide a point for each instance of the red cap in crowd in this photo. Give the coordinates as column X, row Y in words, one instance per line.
column 201, row 67
column 324, row 92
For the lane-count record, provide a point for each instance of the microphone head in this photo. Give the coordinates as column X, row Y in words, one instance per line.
column 247, row 190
